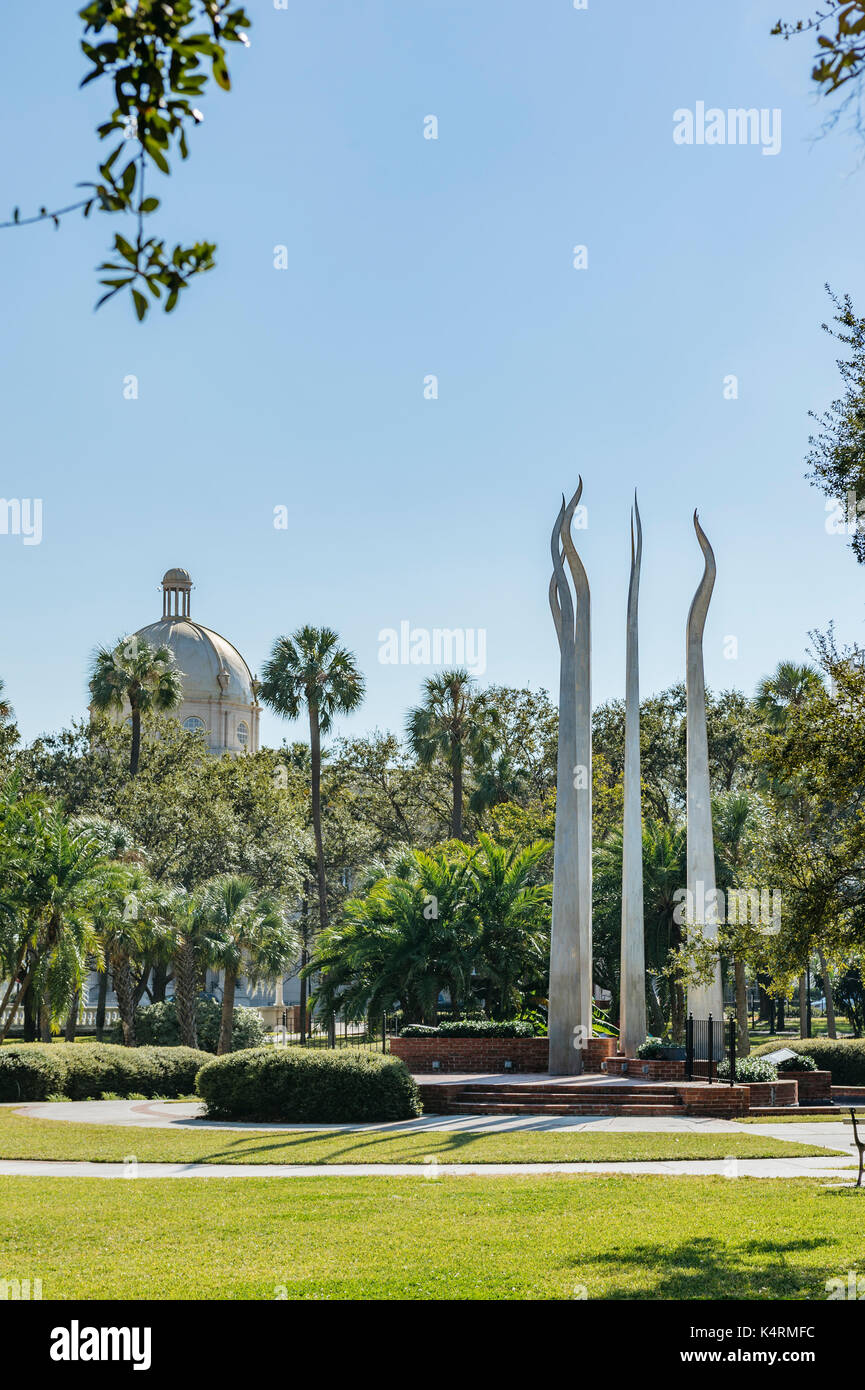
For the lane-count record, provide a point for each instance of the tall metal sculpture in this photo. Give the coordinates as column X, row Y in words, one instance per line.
column 708, row 998
column 570, row 997
column 632, row 1013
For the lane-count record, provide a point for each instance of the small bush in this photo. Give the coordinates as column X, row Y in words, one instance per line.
column 802, row 1062
column 843, row 1057
column 472, row 1028
column 294, row 1085
column 749, row 1069
column 36, row 1071
column 651, row 1050
column 156, row 1025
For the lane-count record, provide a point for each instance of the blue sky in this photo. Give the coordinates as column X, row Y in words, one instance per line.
column 407, row 256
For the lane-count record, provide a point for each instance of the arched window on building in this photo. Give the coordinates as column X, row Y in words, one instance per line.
column 243, row 733
column 193, row 723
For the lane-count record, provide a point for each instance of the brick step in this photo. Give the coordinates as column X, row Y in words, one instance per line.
column 465, row 1107
column 571, row 1097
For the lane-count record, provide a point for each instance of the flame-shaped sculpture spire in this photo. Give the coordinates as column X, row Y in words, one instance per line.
column 632, row 1015
column 570, row 1002
column 703, row 999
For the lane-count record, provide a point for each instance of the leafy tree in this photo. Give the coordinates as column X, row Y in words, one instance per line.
column 310, row 671
column 134, row 673
column 153, row 56
column 836, row 460
column 840, row 56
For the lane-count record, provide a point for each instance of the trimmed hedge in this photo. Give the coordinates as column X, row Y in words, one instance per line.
column 843, row 1057
column 292, row 1084
column 34, row 1071
column 156, row 1025
column 749, row 1069
column 472, row 1028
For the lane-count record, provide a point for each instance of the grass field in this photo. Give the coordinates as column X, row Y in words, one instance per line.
column 405, row 1238
column 23, row 1137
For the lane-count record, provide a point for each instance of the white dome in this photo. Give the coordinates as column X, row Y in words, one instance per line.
column 209, row 665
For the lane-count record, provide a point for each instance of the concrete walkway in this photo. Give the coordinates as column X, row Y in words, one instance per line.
column 163, row 1114
column 730, row 1168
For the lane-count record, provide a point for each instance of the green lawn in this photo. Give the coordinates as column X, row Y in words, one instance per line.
column 23, row 1137
column 451, row 1238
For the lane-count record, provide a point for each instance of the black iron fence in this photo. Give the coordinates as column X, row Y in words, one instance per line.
column 370, row 1035
column 709, row 1041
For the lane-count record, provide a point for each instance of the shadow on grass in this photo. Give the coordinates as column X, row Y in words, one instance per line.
column 703, row 1268
column 343, row 1148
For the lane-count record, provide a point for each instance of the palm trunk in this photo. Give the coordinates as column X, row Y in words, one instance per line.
column 457, row 779
column 186, row 992
column 44, row 1024
column 226, row 1023
column 72, row 1018
column 125, row 991
column 14, row 1007
column 743, row 1036
column 101, row 998
column 831, row 1026
column 315, row 751
column 135, row 752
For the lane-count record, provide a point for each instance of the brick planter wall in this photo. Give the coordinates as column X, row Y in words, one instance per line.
column 815, row 1087
column 724, row 1101
column 774, row 1092
column 653, row 1068
column 490, row 1054
column 472, row 1054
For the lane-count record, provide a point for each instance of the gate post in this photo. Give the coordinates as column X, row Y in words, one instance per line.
column 710, row 1030
column 689, row 1048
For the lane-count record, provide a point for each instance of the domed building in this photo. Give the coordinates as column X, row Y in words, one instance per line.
column 218, row 688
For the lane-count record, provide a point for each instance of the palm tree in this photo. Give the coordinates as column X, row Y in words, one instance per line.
column 247, row 933
column 451, row 724
column 134, row 673
column 788, row 687
column 185, row 912
column 412, row 936
column 6, row 710
column 131, row 927
column 311, row 671
column 57, row 872
column 512, row 910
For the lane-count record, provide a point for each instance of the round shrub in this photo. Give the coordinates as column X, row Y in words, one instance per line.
column 749, row 1069
column 31, row 1071
column 843, row 1057
column 294, row 1085
column 650, row 1050
column 156, row 1025
column 802, row 1062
